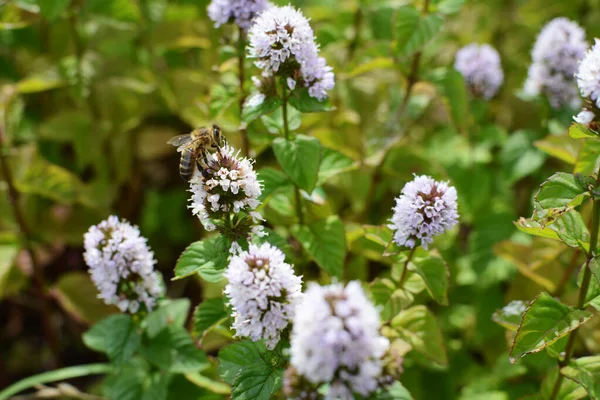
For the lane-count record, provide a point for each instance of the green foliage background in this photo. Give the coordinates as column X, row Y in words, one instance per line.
column 92, row 90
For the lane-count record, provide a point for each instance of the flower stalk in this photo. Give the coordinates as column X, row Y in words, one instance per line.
column 583, row 289
column 286, row 132
column 27, row 237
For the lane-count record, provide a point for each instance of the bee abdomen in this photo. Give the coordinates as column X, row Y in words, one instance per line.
column 186, row 164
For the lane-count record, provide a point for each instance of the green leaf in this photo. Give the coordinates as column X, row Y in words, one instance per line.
column 169, row 313
column 545, row 321
column 325, row 241
column 588, row 159
column 206, row 257
column 300, row 159
column 54, row 376
column 455, row 91
column 257, row 382
column 414, row 31
column 562, row 147
column 53, row 182
column 435, row 273
column 73, row 294
column 252, row 112
column 578, row 131
column 394, row 392
column 173, row 350
column 563, row 190
column 333, row 163
column 117, row 336
column 302, row 101
column 393, row 300
column 448, row 7
column 120, row 10
column 418, row 327
column 208, row 314
column 207, row 383
column 519, row 157
column 238, row 356
column 569, row 390
column 272, row 180
column 52, row 9
column 586, row 372
column 510, row 315
column 41, row 82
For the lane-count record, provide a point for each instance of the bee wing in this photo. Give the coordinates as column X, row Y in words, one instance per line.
column 181, row 141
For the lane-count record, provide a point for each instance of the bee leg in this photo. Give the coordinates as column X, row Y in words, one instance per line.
column 203, row 171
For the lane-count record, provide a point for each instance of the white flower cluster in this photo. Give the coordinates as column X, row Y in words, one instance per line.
column 227, row 185
column 585, row 117
column 588, row 74
column 263, row 292
column 424, row 209
column 556, row 53
column 242, row 12
column 480, row 67
column 336, row 340
column 283, row 44
column 122, row 265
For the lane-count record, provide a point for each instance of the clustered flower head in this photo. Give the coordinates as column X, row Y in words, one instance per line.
column 480, row 67
column 556, row 53
column 122, row 265
column 588, row 75
column 424, row 209
column 283, row 44
column 228, row 185
column 336, row 340
column 263, row 292
column 242, row 12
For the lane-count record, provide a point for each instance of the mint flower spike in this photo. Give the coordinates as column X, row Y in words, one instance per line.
column 228, row 186
column 481, row 69
column 557, row 51
column 122, row 266
column 588, row 75
column 336, row 340
column 283, row 44
column 241, row 12
column 424, row 209
column 263, row 291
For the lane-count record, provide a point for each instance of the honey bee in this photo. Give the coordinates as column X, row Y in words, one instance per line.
column 194, row 147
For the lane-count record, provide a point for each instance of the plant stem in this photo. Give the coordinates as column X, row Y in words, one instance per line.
column 405, row 270
column 583, row 289
column 286, row 132
column 353, row 45
column 38, row 274
column 411, row 80
column 242, row 78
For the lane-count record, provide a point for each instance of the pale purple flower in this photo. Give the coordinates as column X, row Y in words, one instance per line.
column 228, row 185
column 263, row 291
column 481, row 69
column 241, row 12
column 588, row 74
column 557, row 51
column 424, row 209
column 336, row 340
column 283, row 44
column 122, row 266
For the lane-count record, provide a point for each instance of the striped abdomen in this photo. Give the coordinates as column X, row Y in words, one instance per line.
column 187, row 164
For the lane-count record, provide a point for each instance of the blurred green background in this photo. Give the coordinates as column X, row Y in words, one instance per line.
column 91, row 90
